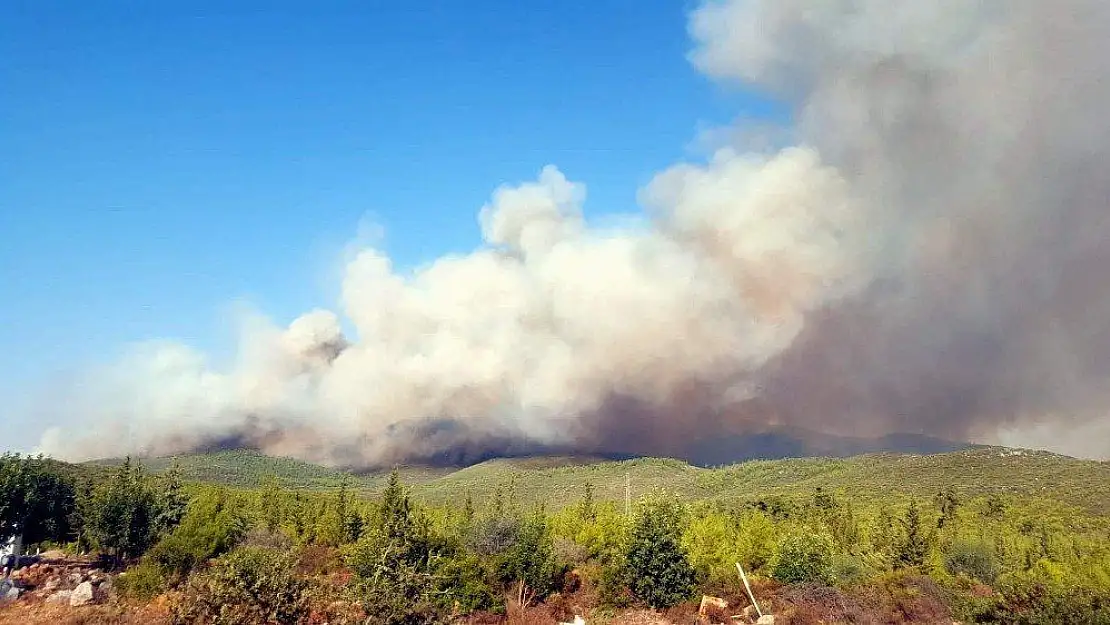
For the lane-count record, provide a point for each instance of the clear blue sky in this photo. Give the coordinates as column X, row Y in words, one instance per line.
column 161, row 160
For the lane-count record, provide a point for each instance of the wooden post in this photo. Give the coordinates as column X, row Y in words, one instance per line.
column 749, row 589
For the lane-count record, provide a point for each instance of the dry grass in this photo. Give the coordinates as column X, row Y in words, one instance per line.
column 25, row 613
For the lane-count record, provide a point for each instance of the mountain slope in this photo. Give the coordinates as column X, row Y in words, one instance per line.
column 561, row 480
column 246, row 468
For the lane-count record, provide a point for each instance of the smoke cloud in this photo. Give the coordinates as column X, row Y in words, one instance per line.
column 928, row 256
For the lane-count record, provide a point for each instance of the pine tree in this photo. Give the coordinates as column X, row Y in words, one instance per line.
column 270, row 507
column 468, row 512
column 915, row 543
column 395, row 510
column 948, row 504
column 661, row 574
column 123, row 514
column 173, row 501
column 586, row 509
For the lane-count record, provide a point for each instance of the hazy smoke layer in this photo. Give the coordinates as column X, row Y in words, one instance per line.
column 930, row 256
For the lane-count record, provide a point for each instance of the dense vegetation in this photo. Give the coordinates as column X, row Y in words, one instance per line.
column 947, row 543
column 559, row 481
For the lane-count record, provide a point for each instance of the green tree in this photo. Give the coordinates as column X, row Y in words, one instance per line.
column 914, row 546
column 395, row 565
column 173, row 501
column 531, row 559
column 659, row 572
column 122, row 517
column 269, row 504
column 212, row 525
column 586, row 508
column 36, row 500
column 948, row 503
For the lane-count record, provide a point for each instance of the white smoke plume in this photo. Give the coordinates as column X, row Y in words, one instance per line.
column 927, row 257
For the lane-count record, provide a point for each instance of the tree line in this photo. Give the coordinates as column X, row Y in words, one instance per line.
column 273, row 555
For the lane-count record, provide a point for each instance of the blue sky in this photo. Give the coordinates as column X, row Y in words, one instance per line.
column 162, row 160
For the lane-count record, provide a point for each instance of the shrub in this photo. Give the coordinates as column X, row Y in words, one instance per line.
column 141, row 583
column 803, row 556
column 847, row 570
column 211, row 526
column 247, row 586
column 494, row 536
column 975, row 559
column 531, row 559
column 659, row 572
column 464, row 588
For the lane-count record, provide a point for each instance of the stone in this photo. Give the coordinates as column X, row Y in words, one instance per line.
column 84, row 594
column 711, row 603
column 766, row 619
column 52, row 584
column 62, row 596
column 8, row 591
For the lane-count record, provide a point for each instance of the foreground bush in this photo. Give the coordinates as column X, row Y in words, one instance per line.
column 141, row 583
column 803, row 556
column 975, row 559
column 249, row 586
column 211, row 526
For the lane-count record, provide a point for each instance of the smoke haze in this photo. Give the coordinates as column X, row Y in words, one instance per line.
column 928, row 255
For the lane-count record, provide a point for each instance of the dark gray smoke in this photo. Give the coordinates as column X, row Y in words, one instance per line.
column 927, row 258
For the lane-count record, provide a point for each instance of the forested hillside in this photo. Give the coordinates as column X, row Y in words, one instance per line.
column 560, row 480
column 987, row 535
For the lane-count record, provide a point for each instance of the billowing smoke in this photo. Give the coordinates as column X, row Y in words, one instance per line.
column 929, row 255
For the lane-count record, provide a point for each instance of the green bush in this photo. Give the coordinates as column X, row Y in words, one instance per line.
column 463, row 585
column 212, row 525
column 975, row 559
column 245, row 587
column 531, row 558
column 395, row 586
column 141, row 583
column 847, row 570
column 803, row 556
column 660, row 573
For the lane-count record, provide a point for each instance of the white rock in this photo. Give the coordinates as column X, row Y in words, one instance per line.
column 766, row 619
column 62, row 596
column 82, row 595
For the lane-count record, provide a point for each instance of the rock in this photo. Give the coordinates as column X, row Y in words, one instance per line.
column 8, row 592
column 749, row 613
column 62, row 596
column 84, row 594
column 52, row 584
column 766, row 619
column 711, row 603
